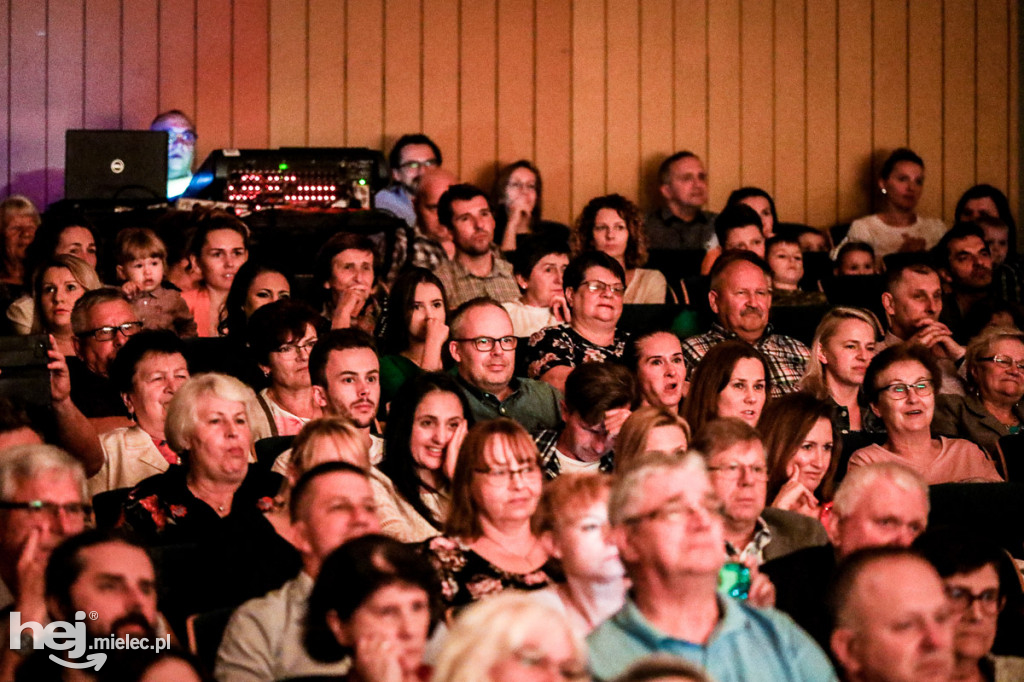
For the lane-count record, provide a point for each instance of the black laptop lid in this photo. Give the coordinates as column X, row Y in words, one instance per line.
column 115, row 164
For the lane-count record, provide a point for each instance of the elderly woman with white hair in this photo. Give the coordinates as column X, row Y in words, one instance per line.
column 511, row 637
column 209, row 425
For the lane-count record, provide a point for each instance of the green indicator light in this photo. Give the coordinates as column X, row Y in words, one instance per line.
column 282, row 166
column 362, row 181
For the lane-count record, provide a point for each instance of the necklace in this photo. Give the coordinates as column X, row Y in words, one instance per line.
column 523, row 558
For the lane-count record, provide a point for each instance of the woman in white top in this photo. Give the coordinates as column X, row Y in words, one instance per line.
column 613, row 225
column 898, row 227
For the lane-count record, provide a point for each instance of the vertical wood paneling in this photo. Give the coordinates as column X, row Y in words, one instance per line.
column 289, row 123
column 327, row 73
column 364, row 73
column 924, row 89
column 103, row 64
column 800, row 97
column 790, row 173
column 855, row 178
column 656, row 110
column 689, row 97
column 139, row 73
column 623, row 93
column 553, row 97
column 516, row 75
column 589, row 148
column 992, row 78
column 441, row 38
column 402, row 59
column 213, row 86
column 723, row 157
column 822, row 108
column 958, row 135
column 756, row 94
column 889, row 77
column 478, row 51
column 63, row 87
column 177, row 56
column 250, row 71
column 28, row 100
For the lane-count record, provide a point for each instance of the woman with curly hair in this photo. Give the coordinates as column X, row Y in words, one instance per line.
column 613, row 225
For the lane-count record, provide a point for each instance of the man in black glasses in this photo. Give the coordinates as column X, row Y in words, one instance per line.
column 42, row 502
column 181, row 149
column 483, row 346
column 102, row 322
column 409, row 159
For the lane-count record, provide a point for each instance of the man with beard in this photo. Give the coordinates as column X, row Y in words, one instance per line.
column 740, row 297
column 965, row 265
column 893, row 620
column 410, row 157
column 345, row 372
column 106, row 576
column 477, row 268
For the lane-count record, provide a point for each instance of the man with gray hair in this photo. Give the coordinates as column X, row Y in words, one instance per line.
column 878, row 505
column 667, row 523
column 42, row 502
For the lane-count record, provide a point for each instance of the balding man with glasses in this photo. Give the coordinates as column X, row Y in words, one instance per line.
column 484, row 347
column 102, row 321
column 666, row 520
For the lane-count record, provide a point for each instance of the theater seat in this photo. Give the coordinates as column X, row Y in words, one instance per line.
column 106, row 506
column 205, row 632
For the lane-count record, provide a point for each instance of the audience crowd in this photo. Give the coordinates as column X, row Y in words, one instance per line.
column 680, row 446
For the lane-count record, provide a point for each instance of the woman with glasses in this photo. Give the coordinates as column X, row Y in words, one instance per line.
column 489, row 544
column 995, row 376
column 422, row 442
column 900, row 384
column 613, row 225
column 516, row 197
column 594, row 285
column 281, row 337
column 802, row 447
column 415, row 331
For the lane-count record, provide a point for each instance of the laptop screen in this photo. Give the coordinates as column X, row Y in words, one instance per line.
column 115, row 164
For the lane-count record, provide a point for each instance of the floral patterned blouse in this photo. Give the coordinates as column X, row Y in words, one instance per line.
column 564, row 347
column 466, row 576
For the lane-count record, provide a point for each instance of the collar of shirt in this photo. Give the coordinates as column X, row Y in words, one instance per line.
column 165, row 449
column 717, row 327
column 632, row 620
column 484, row 396
column 499, row 266
column 754, row 548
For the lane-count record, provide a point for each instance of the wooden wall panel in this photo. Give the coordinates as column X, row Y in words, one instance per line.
column 64, row 103
column 801, row 97
column 326, row 55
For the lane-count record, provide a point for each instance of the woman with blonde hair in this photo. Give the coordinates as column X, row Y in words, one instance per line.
column 489, row 544
column 58, row 282
column 510, row 638
column 572, row 521
column 650, row 429
column 843, row 346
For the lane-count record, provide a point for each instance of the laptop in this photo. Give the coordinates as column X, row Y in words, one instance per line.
column 124, row 165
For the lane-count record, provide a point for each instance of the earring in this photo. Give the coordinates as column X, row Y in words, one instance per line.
column 884, row 191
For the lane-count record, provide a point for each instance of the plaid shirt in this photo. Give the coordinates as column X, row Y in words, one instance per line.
column 546, row 441
column 754, row 548
column 787, row 357
column 461, row 285
column 424, row 252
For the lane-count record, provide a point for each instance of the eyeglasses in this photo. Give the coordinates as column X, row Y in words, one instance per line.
column 731, row 472
column 677, row 509
column 900, row 390
column 416, row 165
column 963, row 599
column 567, row 670
column 485, row 344
column 188, row 137
column 521, row 186
column 108, row 333
column 601, row 287
column 1004, row 361
column 499, row 475
column 298, row 348
column 51, row 509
